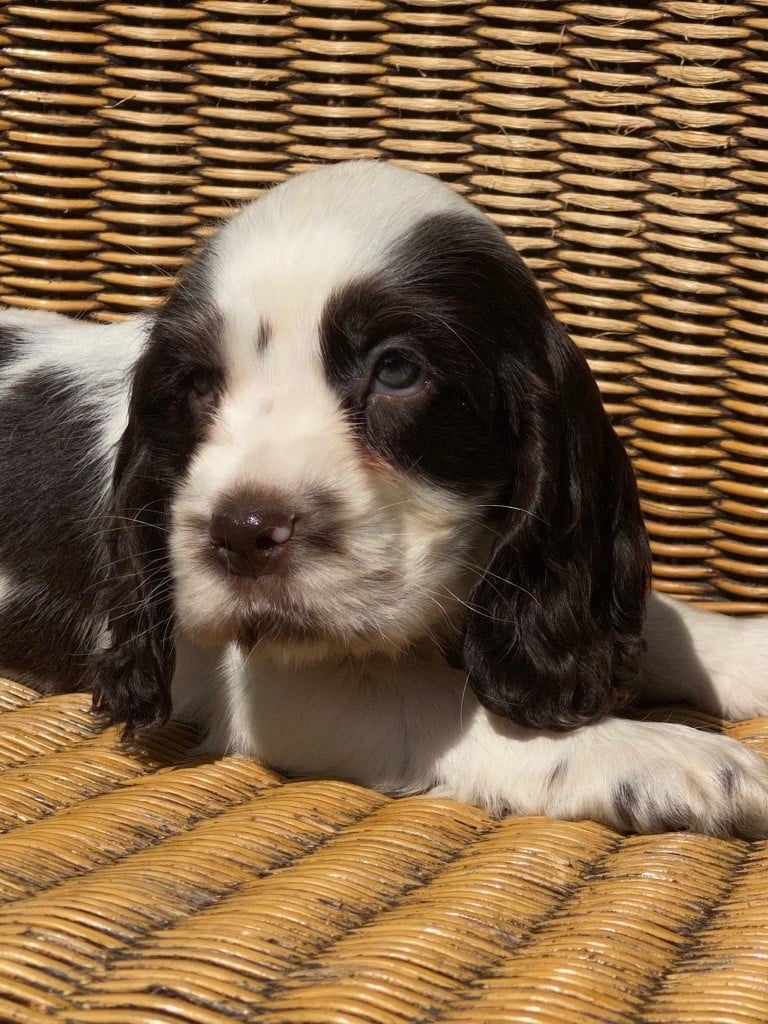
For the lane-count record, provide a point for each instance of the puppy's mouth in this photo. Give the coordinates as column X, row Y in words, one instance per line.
column 270, row 609
column 313, row 599
column 276, row 614
column 280, row 626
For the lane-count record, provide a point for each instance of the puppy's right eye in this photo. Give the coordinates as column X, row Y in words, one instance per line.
column 202, row 389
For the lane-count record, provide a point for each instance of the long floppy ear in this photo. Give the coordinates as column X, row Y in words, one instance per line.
column 133, row 675
column 558, row 615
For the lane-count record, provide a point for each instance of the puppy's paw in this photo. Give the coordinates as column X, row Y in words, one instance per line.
column 657, row 777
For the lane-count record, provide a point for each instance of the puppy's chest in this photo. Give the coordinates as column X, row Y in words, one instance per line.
column 371, row 721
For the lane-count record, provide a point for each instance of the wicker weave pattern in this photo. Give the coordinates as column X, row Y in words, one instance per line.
column 137, row 888
column 623, row 149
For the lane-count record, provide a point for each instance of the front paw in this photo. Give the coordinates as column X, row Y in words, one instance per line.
column 657, row 777
column 129, row 690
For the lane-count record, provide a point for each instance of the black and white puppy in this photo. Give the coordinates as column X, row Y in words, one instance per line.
column 350, row 500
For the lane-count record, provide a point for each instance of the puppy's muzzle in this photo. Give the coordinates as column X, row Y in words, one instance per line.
column 252, row 539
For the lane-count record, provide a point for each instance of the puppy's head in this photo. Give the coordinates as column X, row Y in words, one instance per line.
column 357, row 425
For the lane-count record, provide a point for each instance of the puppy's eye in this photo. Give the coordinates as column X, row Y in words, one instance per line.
column 202, row 383
column 396, row 373
column 201, row 389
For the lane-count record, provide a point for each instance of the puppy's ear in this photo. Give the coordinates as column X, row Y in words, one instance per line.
column 556, row 624
column 133, row 675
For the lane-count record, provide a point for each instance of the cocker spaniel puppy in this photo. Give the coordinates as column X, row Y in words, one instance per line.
column 349, row 499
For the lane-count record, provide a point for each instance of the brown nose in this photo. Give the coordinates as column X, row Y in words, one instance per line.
column 250, row 542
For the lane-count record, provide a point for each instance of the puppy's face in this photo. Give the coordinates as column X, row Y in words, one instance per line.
column 338, row 414
column 357, row 424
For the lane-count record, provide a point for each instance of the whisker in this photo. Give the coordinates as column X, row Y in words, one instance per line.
column 516, row 508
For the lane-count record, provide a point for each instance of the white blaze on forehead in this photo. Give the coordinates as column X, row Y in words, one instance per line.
column 276, row 265
column 281, row 258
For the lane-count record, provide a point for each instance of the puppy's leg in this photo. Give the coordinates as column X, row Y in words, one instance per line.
column 633, row 776
column 413, row 725
column 716, row 662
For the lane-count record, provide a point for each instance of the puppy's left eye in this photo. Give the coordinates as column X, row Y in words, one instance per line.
column 396, row 373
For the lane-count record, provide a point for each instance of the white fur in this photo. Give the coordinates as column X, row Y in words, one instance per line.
column 91, row 350
column 98, row 356
column 411, row 725
column 714, row 662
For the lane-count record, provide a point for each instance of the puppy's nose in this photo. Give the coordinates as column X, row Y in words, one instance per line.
column 251, row 542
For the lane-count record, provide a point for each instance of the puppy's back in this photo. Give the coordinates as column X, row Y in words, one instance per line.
column 63, row 400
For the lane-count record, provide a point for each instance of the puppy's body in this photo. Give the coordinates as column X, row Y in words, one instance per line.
column 352, row 450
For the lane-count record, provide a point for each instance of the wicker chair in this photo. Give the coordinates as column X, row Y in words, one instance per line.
column 624, row 150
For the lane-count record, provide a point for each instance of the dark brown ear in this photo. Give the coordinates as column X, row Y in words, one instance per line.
column 558, row 615
column 134, row 674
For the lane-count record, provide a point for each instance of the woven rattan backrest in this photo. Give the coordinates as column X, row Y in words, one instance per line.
column 623, row 150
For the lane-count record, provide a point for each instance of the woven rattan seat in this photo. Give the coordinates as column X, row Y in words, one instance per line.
column 625, row 152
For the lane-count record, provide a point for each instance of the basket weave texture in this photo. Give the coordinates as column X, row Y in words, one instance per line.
column 140, row 888
column 624, row 151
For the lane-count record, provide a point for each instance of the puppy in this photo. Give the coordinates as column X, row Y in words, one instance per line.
column 350, row 501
